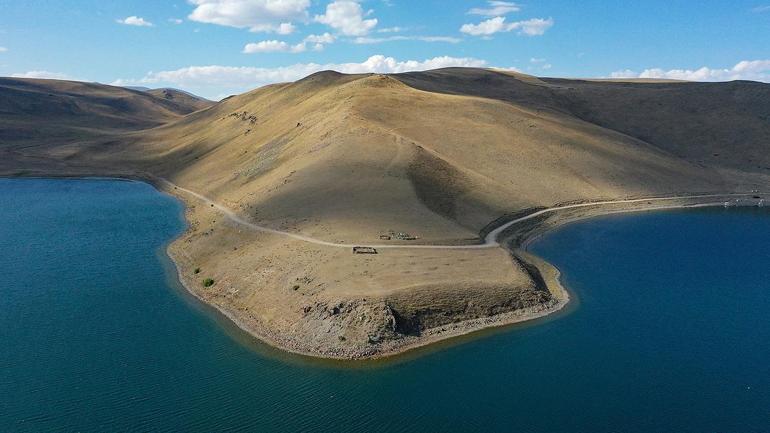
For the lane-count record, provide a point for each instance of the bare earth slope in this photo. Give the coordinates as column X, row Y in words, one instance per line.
column 438, row 155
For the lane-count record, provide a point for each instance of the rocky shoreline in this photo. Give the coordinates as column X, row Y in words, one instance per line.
column 384, row 347
column 393, row 332
column 395, row 324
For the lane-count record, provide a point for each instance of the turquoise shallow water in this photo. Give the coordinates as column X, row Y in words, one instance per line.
column 672, row 333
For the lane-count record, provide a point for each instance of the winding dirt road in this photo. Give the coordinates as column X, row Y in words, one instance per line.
column 490, row 241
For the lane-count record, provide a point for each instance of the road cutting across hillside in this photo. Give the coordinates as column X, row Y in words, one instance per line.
column 490, row 240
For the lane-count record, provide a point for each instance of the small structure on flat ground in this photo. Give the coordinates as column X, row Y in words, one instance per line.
column 400, row 236
column 364, row 250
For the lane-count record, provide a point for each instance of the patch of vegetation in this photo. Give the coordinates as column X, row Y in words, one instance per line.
column 197, row 270
column 208, row 282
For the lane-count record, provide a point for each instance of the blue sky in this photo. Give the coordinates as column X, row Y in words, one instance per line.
column 220, row 47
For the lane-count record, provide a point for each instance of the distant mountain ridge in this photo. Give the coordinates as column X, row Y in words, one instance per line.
column 137, row 88
column 57, row 111
column 186, row 99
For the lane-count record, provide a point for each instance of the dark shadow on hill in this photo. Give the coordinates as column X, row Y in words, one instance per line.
column 713, row 124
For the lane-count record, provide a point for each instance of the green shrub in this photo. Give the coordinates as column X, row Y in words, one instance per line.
column 197, row 270
column 208, row 282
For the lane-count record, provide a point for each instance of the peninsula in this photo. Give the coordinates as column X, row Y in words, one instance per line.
column 358, row 216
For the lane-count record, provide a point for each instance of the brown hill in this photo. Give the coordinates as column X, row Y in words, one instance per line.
column 52, row 112
column 725, row 124
column 355, row 153
column 351, row 158
column 186, row 102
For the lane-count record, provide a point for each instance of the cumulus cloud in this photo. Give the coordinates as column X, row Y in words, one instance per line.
column 325, row 38
column 369, row 40
column 214, row 81
column 284, row 29
column 44, row 74
column 508, row 69
column 273, row 46
column 487, row 27
column 255, row 15
column 347, row 17
column 3, row 49
column 175, row 21
column 754, row 70
column 496, row 8
column 531, row 27
column 134, row 20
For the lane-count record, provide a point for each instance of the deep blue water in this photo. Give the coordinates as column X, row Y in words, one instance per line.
column 671, row 333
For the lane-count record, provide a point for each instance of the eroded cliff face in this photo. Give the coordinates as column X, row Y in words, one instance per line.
column 347, row 328
column 354, row 328
column 427, row 308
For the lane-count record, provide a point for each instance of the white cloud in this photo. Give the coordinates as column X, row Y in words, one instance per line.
column 3, row 50
column 755, row 70
column 216, row 80
column 255, row 15
column 44, row 74
column 761, row 9
column 325, row 38
column 496, row 8
column 531, row 27
column 509, row 69
column 175, row 21
column 134, row 20
column 487, row 27
column 274, row 46
column 391, row 30
column 369, row 40
column 347, row 17
column 285, row 28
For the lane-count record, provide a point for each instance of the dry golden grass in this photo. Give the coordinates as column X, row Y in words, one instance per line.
column 438, row 154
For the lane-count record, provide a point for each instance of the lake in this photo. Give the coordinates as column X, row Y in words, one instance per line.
column 670, row 331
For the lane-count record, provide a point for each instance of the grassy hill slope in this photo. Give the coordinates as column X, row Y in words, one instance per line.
column 718, row 124
column 349, row 158
column 54, row 112
column 442, row 153
column 186, row 102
